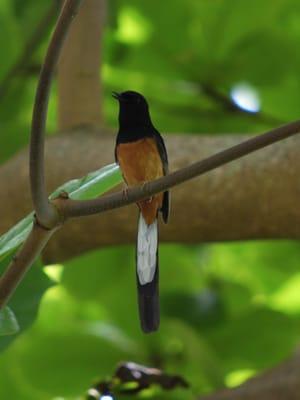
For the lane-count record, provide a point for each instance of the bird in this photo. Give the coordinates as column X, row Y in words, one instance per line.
column 141, row 154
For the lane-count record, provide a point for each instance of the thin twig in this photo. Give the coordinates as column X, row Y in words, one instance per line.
column 22, row 261
column 46, row 213
column 229, row 105
column 78, row 208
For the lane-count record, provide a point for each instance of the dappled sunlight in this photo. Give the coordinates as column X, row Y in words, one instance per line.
column 236, row 378
column 133, row 28
column 287, row 297
column 54, row 272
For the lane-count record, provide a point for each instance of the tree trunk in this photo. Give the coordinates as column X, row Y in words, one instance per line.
column 79, row 88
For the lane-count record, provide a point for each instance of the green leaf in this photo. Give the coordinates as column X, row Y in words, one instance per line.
column 71, row 340
column 257, row 339
column 92, row 185
column 8, row 322
column 10, row 240
column 201, row 310
column 83, row 278
column 24, row 303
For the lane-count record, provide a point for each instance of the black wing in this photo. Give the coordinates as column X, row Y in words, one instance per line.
column 165, row 209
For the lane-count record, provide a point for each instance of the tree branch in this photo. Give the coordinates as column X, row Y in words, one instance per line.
column 46, row 214
column 219, row 206
column 22, row 261
column 279, row 383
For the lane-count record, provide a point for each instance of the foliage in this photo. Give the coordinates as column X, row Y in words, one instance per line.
column 24, row 304
column 228, row 310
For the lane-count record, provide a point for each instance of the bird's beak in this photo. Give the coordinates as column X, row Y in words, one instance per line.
column 116, row 95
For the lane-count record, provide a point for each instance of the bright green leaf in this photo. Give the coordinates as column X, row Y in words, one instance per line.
column 92, row 185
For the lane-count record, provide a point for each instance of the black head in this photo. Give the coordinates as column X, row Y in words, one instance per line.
column 134, row 111
column 131, row 98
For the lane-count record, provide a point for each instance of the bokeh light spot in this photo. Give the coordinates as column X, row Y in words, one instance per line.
column 133, row 28
column 245, row 97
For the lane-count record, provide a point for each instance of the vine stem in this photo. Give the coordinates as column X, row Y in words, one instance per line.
column 22, row 261
column 45, row 211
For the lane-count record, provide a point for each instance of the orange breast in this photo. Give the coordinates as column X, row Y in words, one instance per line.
column 140, row 162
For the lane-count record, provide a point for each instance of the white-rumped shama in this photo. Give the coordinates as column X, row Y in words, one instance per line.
column 141, row 153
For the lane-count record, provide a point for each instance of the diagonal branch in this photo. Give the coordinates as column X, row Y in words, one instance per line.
column 76, row 208
column 46, row 213
column 22, row 261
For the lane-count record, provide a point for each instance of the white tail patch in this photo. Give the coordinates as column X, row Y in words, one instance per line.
column 146, row 250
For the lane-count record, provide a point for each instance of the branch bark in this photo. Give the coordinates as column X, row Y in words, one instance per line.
column 79, row 87
column 22, row 261
column 252, row 198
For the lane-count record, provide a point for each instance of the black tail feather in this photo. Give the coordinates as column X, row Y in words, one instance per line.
column 148, row 299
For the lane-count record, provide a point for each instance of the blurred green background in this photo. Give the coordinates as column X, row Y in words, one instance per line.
column 228, row 310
